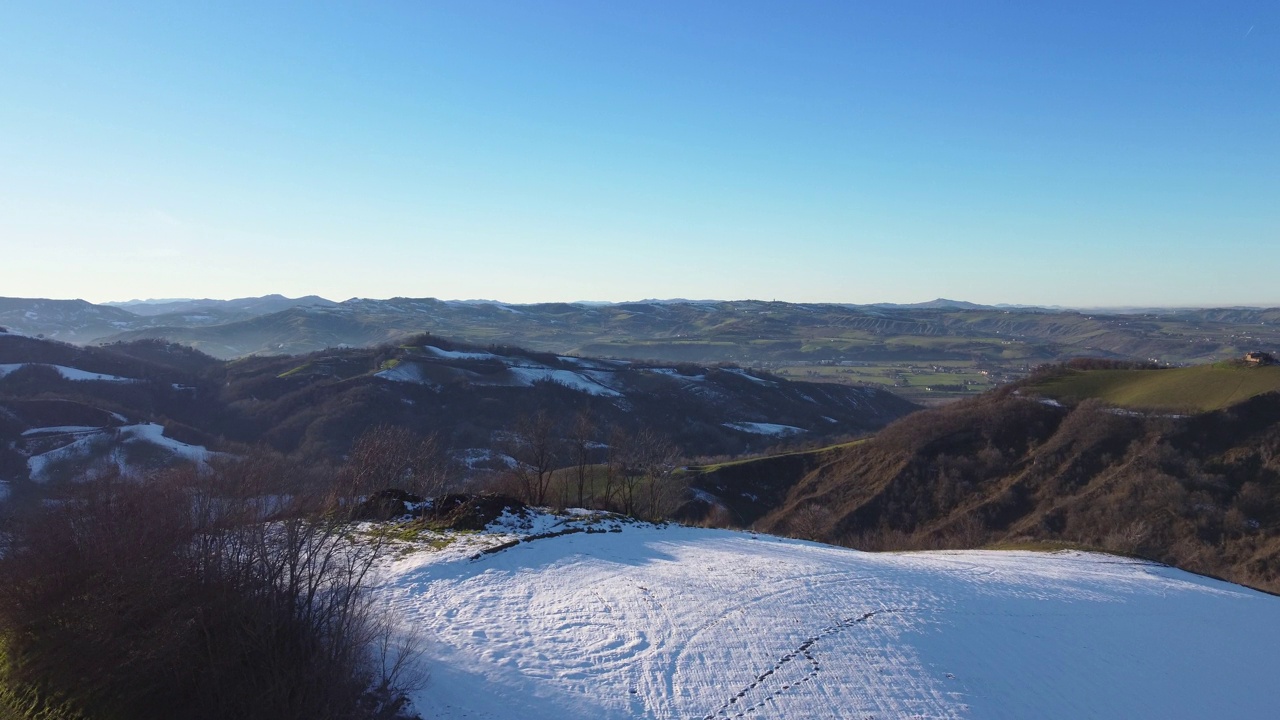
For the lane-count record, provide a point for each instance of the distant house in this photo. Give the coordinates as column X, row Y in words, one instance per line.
column 1259, row 358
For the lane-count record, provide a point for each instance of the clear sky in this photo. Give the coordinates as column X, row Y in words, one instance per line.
column 1073, row 153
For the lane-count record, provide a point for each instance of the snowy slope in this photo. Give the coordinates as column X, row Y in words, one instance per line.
column 760, row 428
column 692, row 623
column 108, row 443
column 68, row 373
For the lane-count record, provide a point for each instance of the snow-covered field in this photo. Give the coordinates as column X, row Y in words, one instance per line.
column 677, row 622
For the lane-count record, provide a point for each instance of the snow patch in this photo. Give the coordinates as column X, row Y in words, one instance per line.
column 88, row 440
column 527, row 376
column 475, row 458
column 68, row 373
column 453, row 355
column 749, row 376
column 60, row 430
column 154, row 434
column 672, row 372
column 765, row 428
column 81, row 447
column 406, row 372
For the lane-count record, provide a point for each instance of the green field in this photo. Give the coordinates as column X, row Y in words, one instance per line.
column 919, row 381
column 1200, row 388
column 704, row 469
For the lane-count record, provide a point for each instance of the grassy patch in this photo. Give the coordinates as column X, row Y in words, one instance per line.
column 295, row 371
column 917, row 380
column 1201, row 388
column 419, row 532
column 732, row 463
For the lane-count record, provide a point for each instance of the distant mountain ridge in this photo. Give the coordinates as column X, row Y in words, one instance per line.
column 938, row 304
column 746, row 331
column 252, row 305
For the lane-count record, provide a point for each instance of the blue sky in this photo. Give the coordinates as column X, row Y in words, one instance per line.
column 1078, row 154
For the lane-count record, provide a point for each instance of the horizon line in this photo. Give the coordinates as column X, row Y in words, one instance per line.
column 1134, row 307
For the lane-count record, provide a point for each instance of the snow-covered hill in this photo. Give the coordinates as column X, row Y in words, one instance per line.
column 648, row 622
column 84, row 451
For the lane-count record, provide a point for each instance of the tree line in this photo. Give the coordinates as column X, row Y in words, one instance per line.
column 591, row 465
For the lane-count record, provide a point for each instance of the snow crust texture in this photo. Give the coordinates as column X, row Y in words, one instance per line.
column 647, row 622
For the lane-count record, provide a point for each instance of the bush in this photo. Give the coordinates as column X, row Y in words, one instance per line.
column 173, row 598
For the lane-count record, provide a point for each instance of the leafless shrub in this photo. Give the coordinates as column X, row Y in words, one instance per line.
column 172, row 597
column 811, row 522
column 1129, row 539
column 718, row 516
column 389, row 456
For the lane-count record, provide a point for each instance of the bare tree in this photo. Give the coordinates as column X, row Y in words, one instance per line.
column 536, row 450
column 657, row 458
column 624, row 469
column 615, row 452
column 390, row 456
column 581, row 439
column 643, row 466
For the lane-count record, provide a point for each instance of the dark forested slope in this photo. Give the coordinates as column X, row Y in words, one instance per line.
column 55, row 396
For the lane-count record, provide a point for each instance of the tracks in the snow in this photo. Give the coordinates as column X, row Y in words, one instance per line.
column 737, row 706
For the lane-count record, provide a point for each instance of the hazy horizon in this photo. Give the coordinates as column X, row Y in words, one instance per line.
column 500, row 301
column 1085, row 155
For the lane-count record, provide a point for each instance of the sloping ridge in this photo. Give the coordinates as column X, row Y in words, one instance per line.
column 1199, row 492
column 1193, row 389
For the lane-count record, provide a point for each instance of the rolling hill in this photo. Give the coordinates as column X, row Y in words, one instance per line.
column 76, row 405
column 1199, row 491
column 752, row 332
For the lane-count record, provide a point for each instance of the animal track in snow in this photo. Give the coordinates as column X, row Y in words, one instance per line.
column 805, row 651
